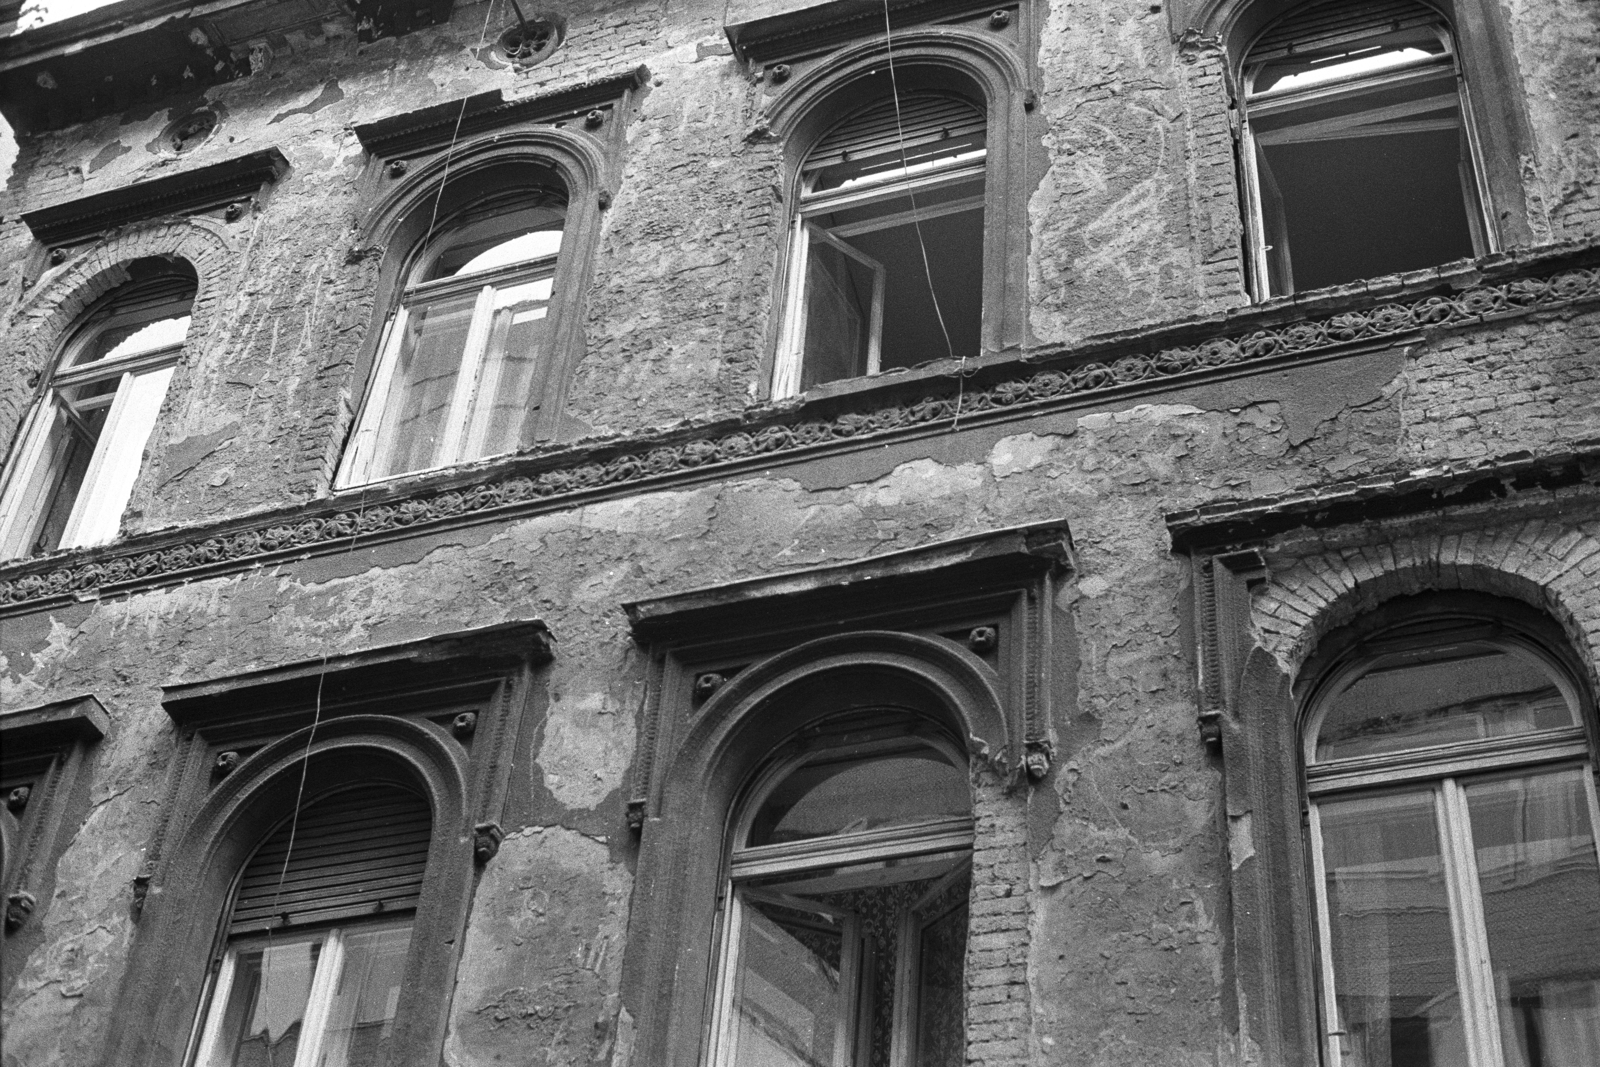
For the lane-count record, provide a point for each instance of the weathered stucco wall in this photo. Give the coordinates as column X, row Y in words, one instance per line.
column 1130, row 226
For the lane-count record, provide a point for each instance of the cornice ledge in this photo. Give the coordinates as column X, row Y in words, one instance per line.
column 895, row 406
column 1234, row 524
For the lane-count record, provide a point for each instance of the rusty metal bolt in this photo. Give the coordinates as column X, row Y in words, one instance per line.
column 17, row 799
column 780, row 73
column 234, row 211
column 397, row 168
column 707, row 684
column 58, row 256
column 1000, row 20
column 226, row 762
column 465, row 724
column 983, row 639
column 595, row 119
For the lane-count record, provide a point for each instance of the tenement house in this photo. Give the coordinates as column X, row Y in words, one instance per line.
column 801, row 533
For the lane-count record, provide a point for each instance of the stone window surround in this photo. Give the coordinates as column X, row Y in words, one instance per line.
column 244, row 743
column 958, row 632
column 53, row 741
column 1490, row 89
column 403, row 180
column 817, row 94
column 1273, row 610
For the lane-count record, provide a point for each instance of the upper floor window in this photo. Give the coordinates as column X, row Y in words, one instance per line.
column 1358, row 154
column 887, row 243
column 1453, row 817
column 465, row 353
column 845, row 938
column 79, row 453
column 318, row 936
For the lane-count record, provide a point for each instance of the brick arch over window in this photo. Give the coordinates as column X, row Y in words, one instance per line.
column 46, row 316
column 735, row 733
column 1550, row 566
column 178, row 931
column 979, row 64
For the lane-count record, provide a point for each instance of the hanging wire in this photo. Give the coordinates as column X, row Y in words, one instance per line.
column 916, row 221
column 455, row 135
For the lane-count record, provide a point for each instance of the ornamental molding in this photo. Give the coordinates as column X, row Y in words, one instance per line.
column 901, row 406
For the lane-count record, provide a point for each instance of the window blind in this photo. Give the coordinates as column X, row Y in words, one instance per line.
column 358, row 852
column 1317, row 27
column 924, row 118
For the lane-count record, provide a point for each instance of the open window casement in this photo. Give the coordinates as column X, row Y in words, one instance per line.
column 1358, row 148
column 465, row 353
column 886, row 250
column 317, row 940
column 1452, row 819
column 845, row 929
column 80, row 450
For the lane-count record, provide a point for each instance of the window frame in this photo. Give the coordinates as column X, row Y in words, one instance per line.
column 789, row 362
column 371, row 435
column 1437, row 771
column 744, row 863
column 453, row 180
column 990, row 70
column 33, row 478
column 1478, row 197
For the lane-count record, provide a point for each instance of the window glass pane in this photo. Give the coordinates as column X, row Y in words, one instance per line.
column 361, row 1017
column 1461, row 693
column 1390, row 934
column 788, row 999
column 266, row 1006
column 1371, row 182
column 941, row 1000
column 493, row 236
column 536, row 244
column 1309, row 67
column 138, row 338
column 70, row 448
column 841, row 290
column 837, row 797
column 505, row 392
column 1535, row 847
column 423, row 383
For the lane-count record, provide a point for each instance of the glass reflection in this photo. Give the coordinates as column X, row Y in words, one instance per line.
column 788, row 997
column 1478, row 691
column 1390, row 938
column 266, row 1009
column 840, row 797
column 1535, row 849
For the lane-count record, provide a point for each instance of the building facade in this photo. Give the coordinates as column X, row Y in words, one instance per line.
column 771, row 532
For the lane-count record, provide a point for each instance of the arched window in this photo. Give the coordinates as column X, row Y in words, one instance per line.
column 1358, row 155
column 845, row 936
column 79, row 453
column 887, row 243
column 1453, row 817
column 317, row 936
column 467, row 348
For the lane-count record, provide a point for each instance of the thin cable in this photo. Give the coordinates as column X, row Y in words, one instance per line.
column 916, row 222
column 905, row 166
column 483, row 39
column 300, row 793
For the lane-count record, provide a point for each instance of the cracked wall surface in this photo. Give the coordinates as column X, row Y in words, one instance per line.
column 1127, row 953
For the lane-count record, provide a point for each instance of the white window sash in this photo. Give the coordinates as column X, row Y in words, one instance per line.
column 363, row 445
column 319, row 1001
column 791, row 345
column 221, row 990
column 1474, row 976
column 97, row 512
column 22, row 503
column 453, row 438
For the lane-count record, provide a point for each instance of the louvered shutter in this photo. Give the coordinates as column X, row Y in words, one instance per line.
column 355, row 853
column 1320, row 26
column 925, row 118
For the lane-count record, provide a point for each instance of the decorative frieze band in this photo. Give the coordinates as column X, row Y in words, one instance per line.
column 556, row 478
